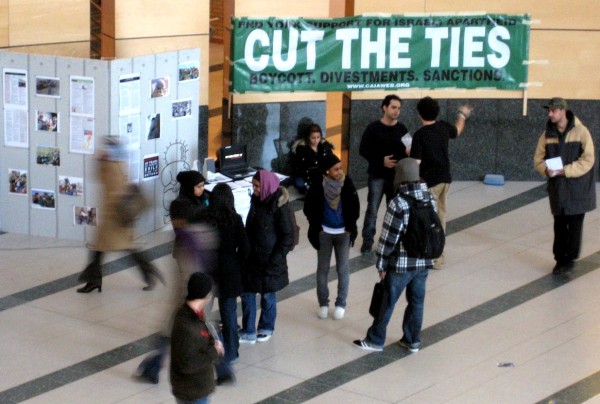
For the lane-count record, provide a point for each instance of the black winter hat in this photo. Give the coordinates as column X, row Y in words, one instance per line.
column 189, row 179
column 327, row 161
column 199, row 286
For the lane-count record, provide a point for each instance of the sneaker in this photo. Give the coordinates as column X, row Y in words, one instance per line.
column 366, row 345
column 411, row 348
column 339, row 312
column 263, row 337
column 323, row 312
column 247, row 339
column 366, row 248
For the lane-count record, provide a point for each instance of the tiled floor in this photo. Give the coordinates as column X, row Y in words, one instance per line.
column 494, row 302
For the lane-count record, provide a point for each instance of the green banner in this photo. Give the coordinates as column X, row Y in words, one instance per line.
column 379, row 53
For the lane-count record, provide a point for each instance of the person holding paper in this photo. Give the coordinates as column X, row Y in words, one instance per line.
column 381, row 145
column 430, row 149
column 572, row 188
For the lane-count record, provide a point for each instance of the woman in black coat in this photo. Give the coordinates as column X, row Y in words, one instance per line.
column 306, row 153
column 233, row 251
column 270, row 231
column 191, row 199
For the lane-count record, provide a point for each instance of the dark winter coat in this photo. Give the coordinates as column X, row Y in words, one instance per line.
column 314, row 209
column 188, row 202
column 271, row 235
column 193, row 353
column 233, row 252
column 306, row 160
column 575, row 192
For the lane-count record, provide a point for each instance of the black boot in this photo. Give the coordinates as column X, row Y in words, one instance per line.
column 149, row 271
column 90, row 287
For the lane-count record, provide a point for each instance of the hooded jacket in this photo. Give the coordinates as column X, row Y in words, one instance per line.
column 271, row 235
column 575, row 192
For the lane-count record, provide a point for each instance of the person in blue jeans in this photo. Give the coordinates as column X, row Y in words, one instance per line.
column 233, row 251
column 381, row 145
column 397, row 270
column 332, row 209
column 270, row 231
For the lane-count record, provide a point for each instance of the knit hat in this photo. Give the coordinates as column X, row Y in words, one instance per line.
column 407, row 170
column 557, row 102
column 327, row 161
column 199, row 286
column 189, row 179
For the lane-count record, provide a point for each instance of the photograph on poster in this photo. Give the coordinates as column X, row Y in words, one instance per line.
column 43, row 198
column 189, row 71
column 81, row 135
column 15, row 87
column 150, row 167
column 153, row 125
column 129, row 130
column 47, row 121
column 71, row 186
column 84, row 216
column 17, row 181
column 159, row 87
column 47, row 86
column 182, row 109
column 48, row 155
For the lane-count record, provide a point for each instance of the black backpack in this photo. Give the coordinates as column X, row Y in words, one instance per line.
column 424, row 236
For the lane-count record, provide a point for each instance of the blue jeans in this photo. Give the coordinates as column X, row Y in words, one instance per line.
column 228, row 311
column 414, row 282
column 268, row 313
column 377, row 188
column 203, row 400
column 340, row 243
column 300, row 184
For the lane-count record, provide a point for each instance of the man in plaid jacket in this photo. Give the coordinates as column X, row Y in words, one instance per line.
column 396, row 269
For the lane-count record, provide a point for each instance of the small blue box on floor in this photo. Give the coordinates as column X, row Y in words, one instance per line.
column 493, row 179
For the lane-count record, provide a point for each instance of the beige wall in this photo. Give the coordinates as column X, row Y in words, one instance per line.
column 59, row 27
column 131, row 28
column 143, row 27
column 564, row 64
column 3, row 23
column 160, row 18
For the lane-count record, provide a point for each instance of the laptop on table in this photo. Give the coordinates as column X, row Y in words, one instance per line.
column 234, row 162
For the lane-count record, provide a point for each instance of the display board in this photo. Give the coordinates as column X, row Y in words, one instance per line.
column 56, row 112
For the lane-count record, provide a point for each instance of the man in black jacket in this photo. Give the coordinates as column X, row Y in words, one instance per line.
column 381, row 145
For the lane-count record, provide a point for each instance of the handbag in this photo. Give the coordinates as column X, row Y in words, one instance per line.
column 378, row 300
column 131, row 204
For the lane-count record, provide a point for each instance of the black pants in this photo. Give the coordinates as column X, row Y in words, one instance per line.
column 93, row 272
column 567, row 237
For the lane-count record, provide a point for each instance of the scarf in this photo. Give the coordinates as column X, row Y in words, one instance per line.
column 269, row 183
column 332, row 190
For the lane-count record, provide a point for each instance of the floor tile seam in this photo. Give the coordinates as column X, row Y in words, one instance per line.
column 359, row 258
column 507, row 297
column 583, row 390
column 70, row 281
column 74, row 372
